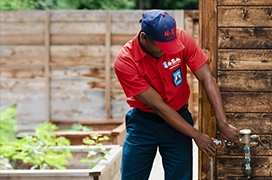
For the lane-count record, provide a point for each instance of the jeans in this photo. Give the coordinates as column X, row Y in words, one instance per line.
column 145, row 133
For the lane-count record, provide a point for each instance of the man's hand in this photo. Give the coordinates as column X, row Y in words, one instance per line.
column 205, row 143
column 229, row 133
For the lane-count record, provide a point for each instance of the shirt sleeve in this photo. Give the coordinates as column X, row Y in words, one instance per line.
column 194, row 56
column 128, row 75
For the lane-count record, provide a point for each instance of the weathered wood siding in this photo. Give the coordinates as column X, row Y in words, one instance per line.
column 58, row 65
column 244, row 74
column 239, row 42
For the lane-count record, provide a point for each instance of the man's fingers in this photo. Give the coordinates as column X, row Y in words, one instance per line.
column 223, row 142
column 209, row 150
column 205, row 152
column 212, row 147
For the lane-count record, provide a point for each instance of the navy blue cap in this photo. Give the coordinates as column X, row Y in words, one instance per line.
column 161, row 27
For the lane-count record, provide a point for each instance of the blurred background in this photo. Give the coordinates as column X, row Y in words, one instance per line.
column 56, row 65
column 95, row 4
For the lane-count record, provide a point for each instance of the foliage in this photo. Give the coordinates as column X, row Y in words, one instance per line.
column 170, row 4
column 43, row 150
column 97, row 4
column 66, row 4
column 35, row 151
column 26, row 4
column 80, row 127
column 8, row 126
column 96, row 151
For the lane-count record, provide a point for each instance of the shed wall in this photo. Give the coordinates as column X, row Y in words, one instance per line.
column 242, row 64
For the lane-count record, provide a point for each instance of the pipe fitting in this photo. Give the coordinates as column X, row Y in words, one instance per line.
column 246, row 140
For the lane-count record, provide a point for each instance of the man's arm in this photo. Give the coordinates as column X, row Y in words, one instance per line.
column 151, row 98
column 227, row 131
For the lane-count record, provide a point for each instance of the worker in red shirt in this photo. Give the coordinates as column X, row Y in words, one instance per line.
column 151, row 69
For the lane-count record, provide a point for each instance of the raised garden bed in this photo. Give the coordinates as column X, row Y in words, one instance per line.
column 108, row 169
column 114, row 129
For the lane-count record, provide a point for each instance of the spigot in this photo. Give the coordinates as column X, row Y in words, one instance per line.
column 246, row 141
column 246, row 138
column 254, row 136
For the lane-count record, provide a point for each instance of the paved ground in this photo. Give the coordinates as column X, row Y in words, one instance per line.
column 157, row 170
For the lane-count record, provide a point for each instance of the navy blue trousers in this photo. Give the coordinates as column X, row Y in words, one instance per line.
column 145, row 133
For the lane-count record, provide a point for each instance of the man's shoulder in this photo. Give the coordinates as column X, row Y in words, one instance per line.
column 129, row 46
column 181, row 33
column 131, row 50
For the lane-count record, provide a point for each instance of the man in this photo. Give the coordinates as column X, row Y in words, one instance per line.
column 151, row 69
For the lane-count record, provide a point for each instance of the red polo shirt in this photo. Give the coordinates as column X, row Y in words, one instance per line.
column 138, row 71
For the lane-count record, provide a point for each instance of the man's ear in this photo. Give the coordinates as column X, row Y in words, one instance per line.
column 143, row 36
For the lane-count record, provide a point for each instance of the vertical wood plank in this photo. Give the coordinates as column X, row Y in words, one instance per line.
column 188, row 27
column 207, row 41
column 47, row 65
column 179, row 17
column 108, row 66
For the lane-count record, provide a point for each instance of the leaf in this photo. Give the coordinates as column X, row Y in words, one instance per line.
column 103, row 138
column 8, row 112
column 76, row 127
column 86, row 129
column 89, row 141
column 8, row 126
column 91, row 153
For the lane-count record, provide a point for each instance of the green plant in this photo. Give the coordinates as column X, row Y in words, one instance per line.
column 80, row 127
column 96, row 150
column 42, row 151
column 8, row 130
column 8, row 126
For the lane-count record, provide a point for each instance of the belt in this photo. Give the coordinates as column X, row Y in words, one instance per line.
column 183, row 108
column 154, row 116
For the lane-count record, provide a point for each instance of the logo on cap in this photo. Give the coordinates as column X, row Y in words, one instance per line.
column 170, row 34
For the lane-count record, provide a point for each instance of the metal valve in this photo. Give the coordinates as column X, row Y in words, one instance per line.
column 246, row 141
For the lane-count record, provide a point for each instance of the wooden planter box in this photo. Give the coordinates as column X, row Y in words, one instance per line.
column 115, row 129
column 105, row 170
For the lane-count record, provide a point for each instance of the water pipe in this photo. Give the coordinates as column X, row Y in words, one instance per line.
column 246, row 141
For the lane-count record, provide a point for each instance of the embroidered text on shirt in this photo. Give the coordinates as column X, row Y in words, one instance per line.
column 172, row 63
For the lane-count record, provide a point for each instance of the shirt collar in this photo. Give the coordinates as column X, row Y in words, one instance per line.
column 139, row 54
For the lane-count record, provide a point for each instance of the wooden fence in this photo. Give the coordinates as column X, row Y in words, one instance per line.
column 57, row 65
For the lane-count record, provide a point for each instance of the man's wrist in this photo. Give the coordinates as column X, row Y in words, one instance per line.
column 222, row 124
column 195, row 134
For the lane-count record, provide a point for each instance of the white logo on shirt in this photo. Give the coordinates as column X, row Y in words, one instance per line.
column 171, row 64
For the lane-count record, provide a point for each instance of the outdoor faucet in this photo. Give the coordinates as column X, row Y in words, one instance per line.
column 246, row 141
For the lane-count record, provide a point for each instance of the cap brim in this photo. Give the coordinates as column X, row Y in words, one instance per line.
column 171, row 47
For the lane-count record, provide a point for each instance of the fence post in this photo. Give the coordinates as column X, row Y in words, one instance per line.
column 108, row 66
column 47, row 65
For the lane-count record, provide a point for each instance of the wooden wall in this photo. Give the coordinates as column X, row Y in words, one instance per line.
column 242, row 64
column 57, row 65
